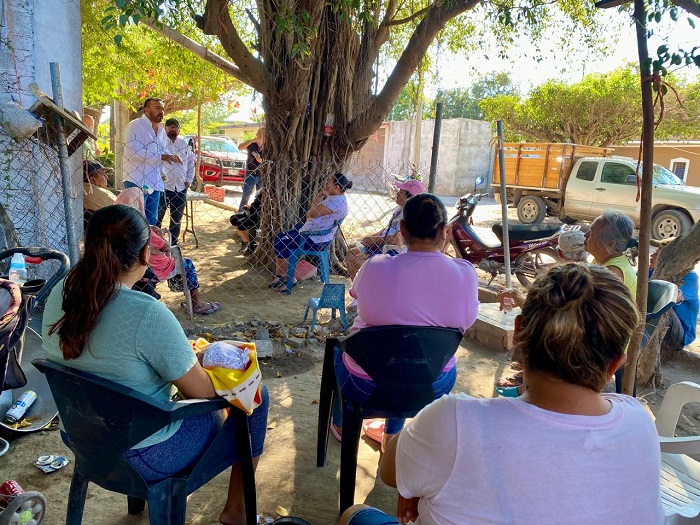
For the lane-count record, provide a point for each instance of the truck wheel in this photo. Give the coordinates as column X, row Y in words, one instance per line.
column 668, row 224
column 531, row 209
column 530, row 265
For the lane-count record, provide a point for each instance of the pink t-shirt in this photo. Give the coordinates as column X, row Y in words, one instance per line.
column 414, row 289
column 161, row 263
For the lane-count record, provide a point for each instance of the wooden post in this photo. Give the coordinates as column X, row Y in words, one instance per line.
column 198, row 181
column 645, row 212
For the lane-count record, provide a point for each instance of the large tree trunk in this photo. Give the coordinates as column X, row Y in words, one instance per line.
column 673, row 263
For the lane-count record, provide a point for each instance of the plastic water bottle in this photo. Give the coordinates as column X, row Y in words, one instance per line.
column 18, row 269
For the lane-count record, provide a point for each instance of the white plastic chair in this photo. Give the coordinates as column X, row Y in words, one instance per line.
column 680, row 474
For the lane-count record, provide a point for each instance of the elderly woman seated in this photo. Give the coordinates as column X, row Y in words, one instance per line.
column 163, row 264
column 374, row 244
column 327, row 209
column 96, row 195
column 460, row 461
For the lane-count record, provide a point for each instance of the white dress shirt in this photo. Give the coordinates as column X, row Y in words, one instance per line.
column 177, row 175
column 142, row 152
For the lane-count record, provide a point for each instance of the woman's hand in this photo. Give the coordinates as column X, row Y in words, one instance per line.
column 517, row 296
column 407, row 509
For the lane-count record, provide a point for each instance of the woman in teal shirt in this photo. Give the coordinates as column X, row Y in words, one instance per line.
column 95, row 322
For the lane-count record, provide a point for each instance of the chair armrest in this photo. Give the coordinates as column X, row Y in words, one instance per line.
column 680, row 445
column 309, row 233
column 194, row 407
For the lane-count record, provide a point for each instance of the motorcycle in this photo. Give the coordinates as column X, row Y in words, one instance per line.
column 532, row 247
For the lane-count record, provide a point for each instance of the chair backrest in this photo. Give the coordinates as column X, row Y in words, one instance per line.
column 332, row 296
column 672, row 404
column 403, row 361
column 103, row 419
column 661, row 297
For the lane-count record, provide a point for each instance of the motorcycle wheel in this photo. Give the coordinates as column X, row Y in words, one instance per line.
column 530, row 265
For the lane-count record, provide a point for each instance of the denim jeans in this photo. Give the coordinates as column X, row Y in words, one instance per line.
column 150, row 203
column 250, row 183
column 359, row 390
column 176, row 201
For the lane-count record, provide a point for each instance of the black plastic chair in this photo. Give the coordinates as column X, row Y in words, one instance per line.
column 404, row 362
column 104, row 419
column 661, row 296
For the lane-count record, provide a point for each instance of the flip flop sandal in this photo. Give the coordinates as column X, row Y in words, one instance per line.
column 276, row 281
column 214, row 307
column 336, row 434
column 374, row 429
column 509, row 381
column 281, row 287
column 516, row 365
column 507, row 391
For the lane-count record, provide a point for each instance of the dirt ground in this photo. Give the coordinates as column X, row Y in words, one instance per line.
column 287, row 475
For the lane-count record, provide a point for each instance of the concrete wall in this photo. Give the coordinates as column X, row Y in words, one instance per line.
column 464, row 154
column 666, row 152
column 34, row 33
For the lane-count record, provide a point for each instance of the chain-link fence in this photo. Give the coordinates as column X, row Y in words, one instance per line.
column 234, row 265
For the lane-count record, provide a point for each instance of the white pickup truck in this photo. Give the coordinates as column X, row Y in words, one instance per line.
column 575, row 187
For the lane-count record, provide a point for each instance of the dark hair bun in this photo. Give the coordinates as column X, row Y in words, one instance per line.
column 423, row 214
column 342, row 181
column 568, row 284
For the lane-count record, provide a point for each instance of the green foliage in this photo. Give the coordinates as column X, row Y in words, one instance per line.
column 133, row 62
column 601, row 110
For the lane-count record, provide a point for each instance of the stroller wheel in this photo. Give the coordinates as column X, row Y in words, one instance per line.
column 27, row 508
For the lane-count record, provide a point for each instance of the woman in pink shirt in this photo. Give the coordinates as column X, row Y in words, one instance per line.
column 422, row 287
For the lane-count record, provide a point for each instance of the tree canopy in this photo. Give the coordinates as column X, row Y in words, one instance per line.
column 142, row 64
column 601, row 110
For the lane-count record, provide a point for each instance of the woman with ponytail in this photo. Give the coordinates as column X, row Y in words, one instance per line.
column 563, row 452
column 422, row 287
column 94, row 321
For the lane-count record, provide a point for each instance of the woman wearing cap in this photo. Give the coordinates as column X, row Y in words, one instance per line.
column 95, row 192
column 374, row 244
column 328, row 208
column 459, row 461
column 422, row 287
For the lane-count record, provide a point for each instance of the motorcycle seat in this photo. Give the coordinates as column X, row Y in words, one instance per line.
column 525, row 232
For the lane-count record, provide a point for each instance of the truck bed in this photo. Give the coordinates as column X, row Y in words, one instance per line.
column 541, row 165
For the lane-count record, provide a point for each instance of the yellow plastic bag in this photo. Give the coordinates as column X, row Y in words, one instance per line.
column 241, row 388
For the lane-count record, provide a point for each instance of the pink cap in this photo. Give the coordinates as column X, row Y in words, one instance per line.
column 412, row 186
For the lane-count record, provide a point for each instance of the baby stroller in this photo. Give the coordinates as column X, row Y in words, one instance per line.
column 20, row 344
column 17, row 306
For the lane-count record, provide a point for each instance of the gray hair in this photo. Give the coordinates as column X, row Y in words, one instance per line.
column 617, row 230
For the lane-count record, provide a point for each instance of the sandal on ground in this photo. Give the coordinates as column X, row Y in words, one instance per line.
column 374, row 429
column 508, row 391
column 282, row 286
column 514, row 380
column 276, row 281
column 516, row 365
column 213, row 307
column 244, row 247
column 336, row 432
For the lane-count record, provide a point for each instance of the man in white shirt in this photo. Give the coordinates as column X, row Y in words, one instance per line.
column 145, row 151
column 178, row 178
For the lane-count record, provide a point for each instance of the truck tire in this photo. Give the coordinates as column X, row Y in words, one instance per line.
column 668, row 224
column 530, row 265
column 531, row 209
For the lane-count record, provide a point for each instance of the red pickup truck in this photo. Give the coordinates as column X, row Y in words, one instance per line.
column 221, row 159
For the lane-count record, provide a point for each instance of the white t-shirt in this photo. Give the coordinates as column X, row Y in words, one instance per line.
column 504, row 461
column 338, row 205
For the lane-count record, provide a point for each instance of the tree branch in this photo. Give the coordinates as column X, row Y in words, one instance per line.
column 196, row 48
column 691, row 6
column 437, row 16
column 217, row 21
column 406, row 20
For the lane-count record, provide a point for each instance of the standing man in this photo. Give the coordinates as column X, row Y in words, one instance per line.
column 178, row 178
column 253, row 179
column 145, row 151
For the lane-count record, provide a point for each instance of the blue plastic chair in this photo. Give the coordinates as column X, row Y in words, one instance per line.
column 333, row 297
column 404, row 362
column 104, row 419
column 322, row 255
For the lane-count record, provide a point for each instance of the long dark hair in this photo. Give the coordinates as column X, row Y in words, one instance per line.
column 423, row 215
column 115, row 240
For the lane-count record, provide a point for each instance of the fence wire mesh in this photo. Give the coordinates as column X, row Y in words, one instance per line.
column 231, row 269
